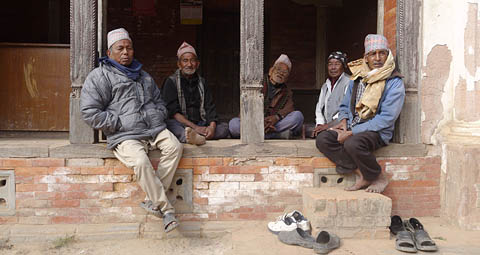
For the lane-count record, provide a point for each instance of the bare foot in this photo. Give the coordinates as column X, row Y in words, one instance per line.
column 360, row 183
column 379, row 185
column 193, row 137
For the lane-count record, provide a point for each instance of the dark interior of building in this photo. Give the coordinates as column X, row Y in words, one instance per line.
column 290, row 28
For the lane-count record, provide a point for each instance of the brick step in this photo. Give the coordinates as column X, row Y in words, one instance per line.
column 349, row 214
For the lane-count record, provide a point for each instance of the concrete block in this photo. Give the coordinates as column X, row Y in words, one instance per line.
column 7, row 192
column 349, row 214
column 180, row 193
column 328, row 177
column 461, row 191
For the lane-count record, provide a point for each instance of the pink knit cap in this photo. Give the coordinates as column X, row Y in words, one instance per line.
column 117, row 35
column 375, row 42
column 285, row 60
column 186, row 48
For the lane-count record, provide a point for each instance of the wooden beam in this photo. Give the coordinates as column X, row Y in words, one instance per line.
column 251, row 71
column 83, row 49
column 407, row 129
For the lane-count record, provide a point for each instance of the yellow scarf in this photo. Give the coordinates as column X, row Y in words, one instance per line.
column 374, row 81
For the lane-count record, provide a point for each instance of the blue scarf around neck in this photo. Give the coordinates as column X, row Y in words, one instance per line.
column 132, row 71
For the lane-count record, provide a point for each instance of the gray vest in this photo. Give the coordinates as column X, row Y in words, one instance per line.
column 336, row 98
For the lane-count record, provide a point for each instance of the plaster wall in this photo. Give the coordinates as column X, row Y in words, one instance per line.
column 450, row 93
column 450, row 67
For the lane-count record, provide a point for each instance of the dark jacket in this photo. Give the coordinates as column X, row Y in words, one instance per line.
column 122, row 108
column 192, row 99
column 277, row 99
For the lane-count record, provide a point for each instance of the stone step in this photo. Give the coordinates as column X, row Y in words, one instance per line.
column 349, row 214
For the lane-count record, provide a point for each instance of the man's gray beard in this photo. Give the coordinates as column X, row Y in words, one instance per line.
column 188, row 71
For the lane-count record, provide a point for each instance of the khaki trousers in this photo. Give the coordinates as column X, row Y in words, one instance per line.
column 134, row 154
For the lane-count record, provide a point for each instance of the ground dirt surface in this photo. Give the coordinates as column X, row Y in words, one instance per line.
column 251, row 237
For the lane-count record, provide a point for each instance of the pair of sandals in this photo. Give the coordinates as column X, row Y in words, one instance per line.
column 169, row 220
column 322, row 244
column 411, row 236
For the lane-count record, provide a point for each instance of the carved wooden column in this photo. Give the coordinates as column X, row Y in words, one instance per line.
column 83, row 48
column 407, row 128
column 251, row 71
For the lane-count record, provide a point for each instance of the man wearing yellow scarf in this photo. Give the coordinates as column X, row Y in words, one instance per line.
column 367, row 116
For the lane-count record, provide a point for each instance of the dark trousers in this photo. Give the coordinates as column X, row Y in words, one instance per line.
column 355, row 152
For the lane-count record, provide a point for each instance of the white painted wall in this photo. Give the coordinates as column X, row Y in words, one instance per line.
column 443, row 23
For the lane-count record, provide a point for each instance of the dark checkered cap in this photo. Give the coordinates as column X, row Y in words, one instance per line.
column 340, row 56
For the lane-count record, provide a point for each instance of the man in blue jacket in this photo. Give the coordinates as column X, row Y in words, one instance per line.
column 367, row 116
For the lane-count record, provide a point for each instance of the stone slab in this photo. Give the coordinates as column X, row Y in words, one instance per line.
column 23, row 152
column 60, row 148
column 233, row 148
column 81, row 151
column 350, row 214
column 108, row 231
column 20, row 233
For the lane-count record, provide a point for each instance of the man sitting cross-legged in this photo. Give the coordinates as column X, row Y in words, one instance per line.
column 192, row 114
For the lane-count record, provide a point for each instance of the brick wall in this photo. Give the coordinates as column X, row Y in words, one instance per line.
column 390, row 23
column 415, row 185
column 156, row 38
column 77, row 191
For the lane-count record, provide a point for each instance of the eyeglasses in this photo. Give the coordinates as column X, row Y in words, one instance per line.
column 280, row 71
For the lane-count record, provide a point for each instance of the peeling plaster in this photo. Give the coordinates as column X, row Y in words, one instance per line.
column 436, row 73
column 462, row 21
column 467, row 103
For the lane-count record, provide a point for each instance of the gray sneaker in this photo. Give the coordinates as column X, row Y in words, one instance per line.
column 326, row 242
column 296, row 237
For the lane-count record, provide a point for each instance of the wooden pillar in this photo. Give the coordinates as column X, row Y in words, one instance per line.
column 251, row 71
column 83, row 49
column 407, row 129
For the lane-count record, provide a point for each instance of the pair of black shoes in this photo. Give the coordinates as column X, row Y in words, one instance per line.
column 411, row 236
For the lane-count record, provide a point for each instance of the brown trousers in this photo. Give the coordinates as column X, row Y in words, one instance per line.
column 355, row 152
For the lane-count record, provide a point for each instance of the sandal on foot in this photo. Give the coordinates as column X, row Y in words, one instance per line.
column 148, row 206
column 169, row 222
column 423, row 241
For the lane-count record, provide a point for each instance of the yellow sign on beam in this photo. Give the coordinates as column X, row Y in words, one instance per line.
column 191, row 12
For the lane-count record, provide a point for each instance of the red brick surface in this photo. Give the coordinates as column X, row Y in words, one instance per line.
column 223, row 189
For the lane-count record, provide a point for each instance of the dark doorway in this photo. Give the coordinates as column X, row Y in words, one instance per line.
column 220, row 43
column 33, row 21
column 347, row 26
